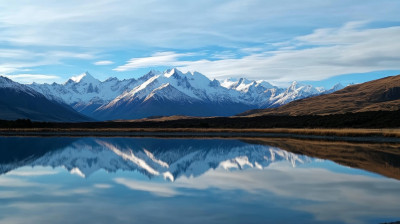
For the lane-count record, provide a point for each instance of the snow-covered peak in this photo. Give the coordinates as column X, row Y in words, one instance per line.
column 168, row 92
column 243, row 84
column 294, row 85
column 337, row 87
column 84, row 89
column 294, row 92
column 84, row 77
column 150, row 74
column 299, row 87
column 238, row 84
column 171, row 72
column 228, row 83
column 265, row 84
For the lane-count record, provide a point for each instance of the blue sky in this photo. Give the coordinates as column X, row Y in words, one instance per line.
column 311, row 41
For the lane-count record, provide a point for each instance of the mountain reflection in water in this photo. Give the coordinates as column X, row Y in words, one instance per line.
column 148, row 180
column 153, row 157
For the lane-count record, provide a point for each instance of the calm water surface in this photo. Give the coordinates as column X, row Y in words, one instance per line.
column 147, row 180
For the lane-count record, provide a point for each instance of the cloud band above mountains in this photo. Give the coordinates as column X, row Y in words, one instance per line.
column 322, row 54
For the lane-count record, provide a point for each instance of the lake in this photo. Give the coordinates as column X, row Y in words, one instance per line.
column 163, row 180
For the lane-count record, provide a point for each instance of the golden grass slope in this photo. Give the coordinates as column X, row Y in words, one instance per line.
column 382, row 94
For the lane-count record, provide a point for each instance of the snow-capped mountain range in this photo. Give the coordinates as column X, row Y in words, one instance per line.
column 170, row 93
column 168, row 159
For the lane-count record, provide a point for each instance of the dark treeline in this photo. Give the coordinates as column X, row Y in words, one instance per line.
column 375, row 119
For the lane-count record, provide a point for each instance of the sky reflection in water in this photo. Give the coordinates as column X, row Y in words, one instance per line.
column 137, row 180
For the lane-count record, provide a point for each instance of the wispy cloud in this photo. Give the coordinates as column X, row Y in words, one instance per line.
column 31, row 172
column 158, row 189
column 351, row 199
column 319, row 55
column 29, row 78
column 44, row 23
column 102, row 186
column 288, row 182
column 157, row 59
column 6, row 181
column 258, row 39
column 103, row 63
column 19, row 60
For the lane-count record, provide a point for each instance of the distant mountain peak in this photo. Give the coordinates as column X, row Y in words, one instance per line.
column 265, row 84
column 245, row 81
column 338, row 86
column 243, row 84
column 111, row 79
column 84, row 77
column 171, row 72
column 150, row 74
column 294, row 84
column 335, row 88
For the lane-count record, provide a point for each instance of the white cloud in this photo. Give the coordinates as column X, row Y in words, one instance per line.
column 6, row 181
column 103, row 63
column 351, row 198
column 155, row 188
column 30, row 78
column 102, row 186
column 39, row 33
column 22, row 60
column 351, row 195
column 175, row 24
column 322, row 54
column 321, row 193
column 157, row 59
column 30, row 173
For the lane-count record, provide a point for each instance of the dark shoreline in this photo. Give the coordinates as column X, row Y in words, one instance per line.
column 371, row 119
column 372, row 126
column 204, row 134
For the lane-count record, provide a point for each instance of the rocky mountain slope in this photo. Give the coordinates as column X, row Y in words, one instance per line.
column 19, row 101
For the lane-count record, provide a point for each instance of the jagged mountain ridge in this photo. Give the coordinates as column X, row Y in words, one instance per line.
column 169, row 159
column 85, row 93
column 170, row 93
column 19, row 101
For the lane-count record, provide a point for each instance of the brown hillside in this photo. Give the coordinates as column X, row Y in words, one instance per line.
column 382, row 94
